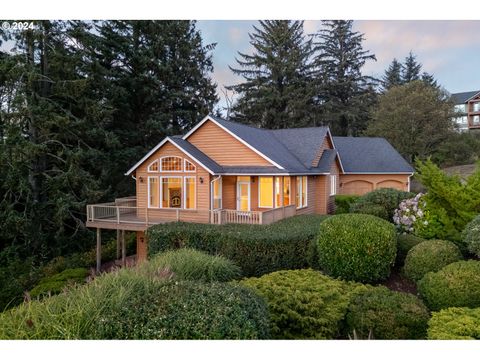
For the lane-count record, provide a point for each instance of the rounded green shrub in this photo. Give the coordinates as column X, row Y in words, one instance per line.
column 431, row 255
column 188, row 310
column 404, row 243
column 456, row 285
column 343, row 202
column 189, row 264
column 356, row 247
column 56, row 283
column 303, row 304
column 455, row 324
column 380, row 202
column 471, row 236
column 385, row 314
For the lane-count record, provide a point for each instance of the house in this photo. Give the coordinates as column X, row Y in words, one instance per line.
column 224, row 172
column 467, row 105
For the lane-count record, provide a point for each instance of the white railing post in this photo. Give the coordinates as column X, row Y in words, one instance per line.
column 118, row 214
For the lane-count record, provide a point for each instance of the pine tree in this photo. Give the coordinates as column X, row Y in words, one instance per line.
column 277, row 91
column 156, row 75
column 393, row 75
column 411, row 69
column 344, row 93
column 429, row 80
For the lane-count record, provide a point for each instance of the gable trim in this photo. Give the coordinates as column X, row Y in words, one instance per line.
column 196, row 127
column 472, row 97
column 158, row 146
column 338, row 152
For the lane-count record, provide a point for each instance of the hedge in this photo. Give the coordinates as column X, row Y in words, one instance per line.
column 124, row 305
column 456, row 285
column 385, row 314
column 303, row 304
column 55, row 284
column 343, row 202
column 356, row 247
column 455, row 324
column 471, row 236
column 380, row 202
column 404, row 243
column 189, row 264
column 431, row 255
column 257, row 249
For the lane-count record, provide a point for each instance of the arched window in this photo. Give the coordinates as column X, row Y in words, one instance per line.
column 153, row 167
column 189, row 167
column 171, row 163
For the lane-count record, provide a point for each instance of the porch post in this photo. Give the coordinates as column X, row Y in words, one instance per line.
column 99, row 250
column 124, row 250
column 118, row 244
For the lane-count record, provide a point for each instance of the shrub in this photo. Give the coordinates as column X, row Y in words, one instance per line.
column 451, row 203
column 56, row 283
column 386, row 199
column 189, row 264
column 385, row 314
column 471, row 236
column 356, row 247
column 456, row 285
column 303, row 304
column 431, row 255
column 455, row 324
column 343, row 202
column 409, row 216
column 257, row 249
column 404, row 243
column 124, row 305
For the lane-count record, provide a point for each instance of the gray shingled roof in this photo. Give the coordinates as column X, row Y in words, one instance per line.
column 326, row 161
column 461, row 98
column 302, row 142
column 369, row 155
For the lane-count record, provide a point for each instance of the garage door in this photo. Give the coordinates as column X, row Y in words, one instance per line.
column 391, row 184
column 357, row 187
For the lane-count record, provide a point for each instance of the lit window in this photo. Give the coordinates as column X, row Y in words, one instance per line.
column 171, row 192
column 189, row 167
column 333, row 184
column 189, row 193
column 265, row 188
column 278, row 192
column 172, row 163
column 153, row 167
column 301, row 195
column 286, row 191
column 217, row 194
column 153, row 192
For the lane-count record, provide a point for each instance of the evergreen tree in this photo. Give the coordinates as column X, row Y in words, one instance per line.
column 277, row 91
column 411, row 69
column 393, row 75
column 344, row 93
column 429, row 80
column 52, row 128
column 156, row 75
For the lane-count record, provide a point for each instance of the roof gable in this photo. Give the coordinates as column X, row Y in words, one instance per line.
column 463, row 97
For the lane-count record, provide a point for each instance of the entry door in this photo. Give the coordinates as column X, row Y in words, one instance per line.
column 243, row 196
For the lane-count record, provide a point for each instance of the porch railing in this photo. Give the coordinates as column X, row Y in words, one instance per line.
column 226, row 216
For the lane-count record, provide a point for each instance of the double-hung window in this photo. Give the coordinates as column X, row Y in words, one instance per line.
column 265, row 192
column 333, row 185
column 301, row 195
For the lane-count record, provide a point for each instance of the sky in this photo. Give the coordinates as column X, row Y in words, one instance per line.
column 447, row 49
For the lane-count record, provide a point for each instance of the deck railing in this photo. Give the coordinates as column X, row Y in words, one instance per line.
column 124, row 210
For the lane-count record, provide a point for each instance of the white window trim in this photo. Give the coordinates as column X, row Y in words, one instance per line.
column 213, row 198
column 273, row 192
column 184, row 195
column 185, row 166
column 300, row 193
column 148, row 192
column 161, row 191
column 153, row 171
column 333, row 185
column 170, row 171
column 249, row 183
column 282, row 200
column 289, row 191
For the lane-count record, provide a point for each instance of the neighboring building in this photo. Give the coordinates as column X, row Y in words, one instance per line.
column 224, row 172
column 467, row 104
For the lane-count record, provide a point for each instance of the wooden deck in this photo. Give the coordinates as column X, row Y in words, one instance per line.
column 130, row 222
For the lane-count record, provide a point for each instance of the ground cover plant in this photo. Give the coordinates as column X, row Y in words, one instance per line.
column 455, row 324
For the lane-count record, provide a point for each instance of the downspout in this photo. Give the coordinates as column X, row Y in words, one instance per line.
column 409, row 176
